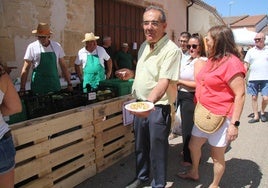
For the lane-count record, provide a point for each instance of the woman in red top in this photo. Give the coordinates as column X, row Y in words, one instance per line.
column 220, row 87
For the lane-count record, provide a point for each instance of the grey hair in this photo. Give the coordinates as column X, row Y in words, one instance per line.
column 163, row 15
column 106, row 38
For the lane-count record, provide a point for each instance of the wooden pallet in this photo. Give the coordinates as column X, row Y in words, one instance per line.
column 54, row 149
column 113, row 140
column 65, row 149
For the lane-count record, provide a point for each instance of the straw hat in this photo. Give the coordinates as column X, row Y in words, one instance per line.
column 42, row 30
column 90, row 37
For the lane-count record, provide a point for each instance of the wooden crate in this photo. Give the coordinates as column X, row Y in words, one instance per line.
column 66, row 148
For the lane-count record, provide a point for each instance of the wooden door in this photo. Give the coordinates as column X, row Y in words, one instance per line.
column 121, row 21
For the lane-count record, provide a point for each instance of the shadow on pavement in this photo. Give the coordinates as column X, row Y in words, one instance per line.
column 239, row 172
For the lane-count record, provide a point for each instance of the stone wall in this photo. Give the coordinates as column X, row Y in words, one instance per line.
column 68, row 19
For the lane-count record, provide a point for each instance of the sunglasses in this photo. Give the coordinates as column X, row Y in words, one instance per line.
column 42, row 37
column 194, row 46
column 257, row 39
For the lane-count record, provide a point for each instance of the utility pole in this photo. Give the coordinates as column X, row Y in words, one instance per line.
column 230, row 8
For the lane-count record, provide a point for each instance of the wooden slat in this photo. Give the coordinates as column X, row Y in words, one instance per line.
column 51, row 144
column 110, row 148
column 47, row 162
column 113, row 133
column 40, row 182
column 77, row 178
column 45, row 129
column 110, row 160
column 108, row 108
column 103, row 125
column 85, row 161
column 69, row 182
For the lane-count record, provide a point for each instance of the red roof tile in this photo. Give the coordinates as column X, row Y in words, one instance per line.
column 249, row 21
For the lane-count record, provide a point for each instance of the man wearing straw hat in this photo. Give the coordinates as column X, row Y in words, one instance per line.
column 92, row 58
column 44, row 55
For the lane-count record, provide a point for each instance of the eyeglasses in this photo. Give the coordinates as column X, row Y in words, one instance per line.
column 194, row 46
column 183, row 41
column 257, row 39
column 154, row 23
column 42, row 37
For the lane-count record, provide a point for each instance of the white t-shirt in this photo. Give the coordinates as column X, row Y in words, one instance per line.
column 187, row 71
column 258, row 61
column 34, row 50
column 82, row 56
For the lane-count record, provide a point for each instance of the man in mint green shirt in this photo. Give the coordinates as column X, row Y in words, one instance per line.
column 156, row 78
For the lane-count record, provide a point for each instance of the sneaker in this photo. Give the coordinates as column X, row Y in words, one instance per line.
column 263, row 118
column 168, row 185
column 253, row 120
column 137, row 183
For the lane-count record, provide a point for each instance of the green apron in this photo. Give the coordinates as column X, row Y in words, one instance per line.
column 93, row 72
column 45, row 76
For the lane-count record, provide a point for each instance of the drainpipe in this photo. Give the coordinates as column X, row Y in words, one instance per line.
column 187, row 14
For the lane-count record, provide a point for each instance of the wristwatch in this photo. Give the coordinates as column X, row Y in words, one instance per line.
column 236, row 123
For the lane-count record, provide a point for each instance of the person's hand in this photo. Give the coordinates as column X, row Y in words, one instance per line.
column 70, row 87
column 232, row 132
column 179, row 83
column 124, row 74
column 22, row 92
column 108, row 75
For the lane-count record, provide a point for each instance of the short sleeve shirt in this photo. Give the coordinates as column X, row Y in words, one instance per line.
column 81, row 59
column 258, row 60
column 162, row 62
column 212, row 88
column 34, row 50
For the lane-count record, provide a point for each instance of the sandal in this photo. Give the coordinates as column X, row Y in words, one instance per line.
column 187, row 176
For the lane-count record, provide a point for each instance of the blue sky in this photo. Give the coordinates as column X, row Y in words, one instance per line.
column 239, row 7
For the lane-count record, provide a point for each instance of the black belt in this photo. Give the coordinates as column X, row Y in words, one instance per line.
column 166, row 108
column 6, row 135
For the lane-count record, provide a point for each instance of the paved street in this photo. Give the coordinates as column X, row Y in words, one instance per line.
column 246, row 162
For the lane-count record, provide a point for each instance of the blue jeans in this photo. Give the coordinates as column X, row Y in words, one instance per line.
column 7, row 155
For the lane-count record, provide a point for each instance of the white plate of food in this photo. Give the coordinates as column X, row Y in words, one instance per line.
column 139, row 106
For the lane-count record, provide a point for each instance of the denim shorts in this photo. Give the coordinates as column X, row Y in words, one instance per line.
column 7, row 155
column 256, row 86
